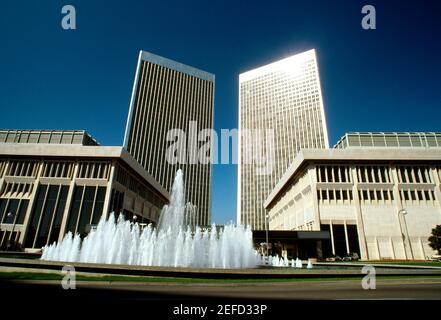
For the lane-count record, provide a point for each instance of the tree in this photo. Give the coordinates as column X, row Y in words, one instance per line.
column 435, row 239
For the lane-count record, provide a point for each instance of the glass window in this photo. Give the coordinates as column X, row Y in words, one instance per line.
column 86, row 209
column 406, row 194
column 22, row 211
column 56, row 225
column 35, row 216
column 345, row 194
column 48, row 211
column 3, row 203
column 99, row 205
column 12, row 208
column 75, row 208
column 427, row 195
column 322, row 174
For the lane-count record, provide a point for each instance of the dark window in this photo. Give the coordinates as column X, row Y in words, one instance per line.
column 376, row 176
column 402, row 174
column 329, row 174
column 12, row 208
column 3, row 203
column 35, row 216
column 86, row 209
column 423, row 175
column 427, row 195
column 345, row 194
column 331, row 194
column 22, row 211
column 99, row 205
column 365, row 195
column 409, row 174
column 379, row 195
column 343, row 171
column 56, row 225
column 383, row 174
column 48, row 211
column 406, row 194
column 75, row 208
column 362, row 174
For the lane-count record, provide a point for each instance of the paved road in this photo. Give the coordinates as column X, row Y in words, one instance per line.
column 417, row 288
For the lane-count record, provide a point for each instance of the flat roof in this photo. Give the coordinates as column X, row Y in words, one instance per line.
column 352, row 155
column 171, row 64
column 80, row 137
column 280, row 65
column 80, row 151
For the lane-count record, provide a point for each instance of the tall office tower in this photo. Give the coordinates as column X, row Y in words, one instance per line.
column 285, row 97
column 170, row 95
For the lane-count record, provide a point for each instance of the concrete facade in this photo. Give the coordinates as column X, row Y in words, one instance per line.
column 359, row 195
column 51, row 189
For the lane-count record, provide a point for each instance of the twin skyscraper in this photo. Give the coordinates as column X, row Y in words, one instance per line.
column 283, row 98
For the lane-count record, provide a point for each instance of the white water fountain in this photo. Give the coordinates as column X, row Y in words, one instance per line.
column 174, row 243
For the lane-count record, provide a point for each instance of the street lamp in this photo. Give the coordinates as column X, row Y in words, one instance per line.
column 266, row 227
column 11, row 214
column 404, row 213
column 134, row 218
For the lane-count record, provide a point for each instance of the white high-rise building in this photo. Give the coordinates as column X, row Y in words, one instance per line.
column 285, row 97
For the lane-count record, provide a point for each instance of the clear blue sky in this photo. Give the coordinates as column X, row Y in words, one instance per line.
column 382, row 80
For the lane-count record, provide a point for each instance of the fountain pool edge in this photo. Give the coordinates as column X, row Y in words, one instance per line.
column 255, row 273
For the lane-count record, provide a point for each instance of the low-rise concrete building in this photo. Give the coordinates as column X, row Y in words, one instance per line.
column 52, row 182
column 378, row 194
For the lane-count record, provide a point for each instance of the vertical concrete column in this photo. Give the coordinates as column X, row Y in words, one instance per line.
column 68, row 202
column 360, row 224
column 31, row 205
column 313, row 183
column 331, row 229
column 346, row 238
column 2, row 177
column 436, row 180
column 109, row 188
column 398, row 206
